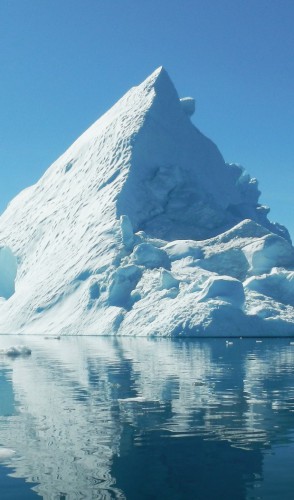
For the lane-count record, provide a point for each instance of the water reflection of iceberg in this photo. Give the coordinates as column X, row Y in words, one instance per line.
column 93, row 415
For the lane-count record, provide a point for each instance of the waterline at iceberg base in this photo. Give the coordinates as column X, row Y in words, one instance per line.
column 141, row 228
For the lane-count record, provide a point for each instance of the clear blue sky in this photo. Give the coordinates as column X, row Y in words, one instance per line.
column 64, row 62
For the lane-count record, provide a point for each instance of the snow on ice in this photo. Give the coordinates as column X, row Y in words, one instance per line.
column 141, row 228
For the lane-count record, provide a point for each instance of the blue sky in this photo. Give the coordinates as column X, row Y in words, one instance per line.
column 64, row 62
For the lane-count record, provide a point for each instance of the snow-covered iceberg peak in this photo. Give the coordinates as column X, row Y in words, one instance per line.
column 178, row 185
column 140, row 227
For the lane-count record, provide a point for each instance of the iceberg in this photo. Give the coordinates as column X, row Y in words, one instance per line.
column 6, row 454
column 16, row 350
column 141, row 228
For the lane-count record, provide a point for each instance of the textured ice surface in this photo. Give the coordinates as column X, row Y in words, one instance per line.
column 141, row 228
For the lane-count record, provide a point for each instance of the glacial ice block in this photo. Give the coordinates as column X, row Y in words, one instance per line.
column 142, row 228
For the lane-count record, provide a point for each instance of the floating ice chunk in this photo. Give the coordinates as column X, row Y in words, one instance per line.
column 136, row 399
column 188, row 105
column 199, row 383
column 151, row 257
column 223, row 287
column 17, row 350
column 268, row 252
column 6, row 454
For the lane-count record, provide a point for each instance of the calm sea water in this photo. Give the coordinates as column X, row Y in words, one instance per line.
column 104, row 418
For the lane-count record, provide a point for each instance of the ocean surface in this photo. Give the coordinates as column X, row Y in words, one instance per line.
column 135, row 418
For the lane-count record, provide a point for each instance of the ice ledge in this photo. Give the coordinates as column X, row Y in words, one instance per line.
column 188, row 105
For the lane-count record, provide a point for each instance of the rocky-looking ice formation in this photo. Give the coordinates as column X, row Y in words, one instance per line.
column 141, row 228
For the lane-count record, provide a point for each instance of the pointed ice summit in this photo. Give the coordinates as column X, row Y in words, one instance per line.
column 141, row 228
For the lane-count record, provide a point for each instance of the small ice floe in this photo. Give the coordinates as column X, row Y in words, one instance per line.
column 6, row 454
column 137, row 399
column 291, row 343
column 199, row 383
column 228, row 342
column 258, row 341
column 16, row 350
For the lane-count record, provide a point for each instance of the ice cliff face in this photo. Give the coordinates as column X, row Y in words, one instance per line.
column 141, row 228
